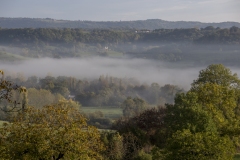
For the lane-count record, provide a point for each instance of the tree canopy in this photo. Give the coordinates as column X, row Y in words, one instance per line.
column 53, row 132
column 205, row 117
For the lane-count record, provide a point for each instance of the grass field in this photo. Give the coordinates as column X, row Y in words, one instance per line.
column 10, row 57
column 110, row 112
column 112, row 53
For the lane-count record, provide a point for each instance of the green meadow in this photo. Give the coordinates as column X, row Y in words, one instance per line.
column 109, row 112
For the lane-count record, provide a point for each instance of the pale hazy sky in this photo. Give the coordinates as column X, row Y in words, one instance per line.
column 116, row 10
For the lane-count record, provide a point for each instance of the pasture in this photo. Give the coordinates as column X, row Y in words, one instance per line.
column 109, row 112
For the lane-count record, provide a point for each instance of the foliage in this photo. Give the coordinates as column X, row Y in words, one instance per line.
column 172, row 45
column 105, row 91
column 133, row 107
column 53, row 132
column 6, row 87
column 99, row 120
column 145, row 130
column 187, row 113
column 218, row 92
column 105, row 36
column 202, row 145
column 236, row 157
column 6, row 93
column 217, row 74
column 41, row 97
column 114, row 145
column 143, row 156
column 147, row 126
column 204, row 120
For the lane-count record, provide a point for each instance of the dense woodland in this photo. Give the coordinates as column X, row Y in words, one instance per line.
column 44, row 117
column 106, row 91
column 107, row 36
column 185, row 46
column 202, row 123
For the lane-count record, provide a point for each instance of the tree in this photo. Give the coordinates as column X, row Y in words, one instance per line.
column 142, row 132
column 194, row 133
column 217, row 74
column 203, row 121
column 6, row 92
column 202, row 146
column 42, row 97
column 114, row 144
column 220, row 102
column 133, row 106
column 218, row 92
column 53, row 132
column 187, row 113
column 145, row 126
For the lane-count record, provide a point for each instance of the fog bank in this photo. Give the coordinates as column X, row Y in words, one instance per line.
column 145, row 71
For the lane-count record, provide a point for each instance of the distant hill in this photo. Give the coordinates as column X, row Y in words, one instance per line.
column 150, row 24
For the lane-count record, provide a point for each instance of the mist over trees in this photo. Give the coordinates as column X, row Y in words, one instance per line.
column 105, row 91
column 187, row 47
column 202, row 123
column 49, row 117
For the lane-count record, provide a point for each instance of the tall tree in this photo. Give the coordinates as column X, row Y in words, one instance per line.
column 133, row 107
column 205, row 118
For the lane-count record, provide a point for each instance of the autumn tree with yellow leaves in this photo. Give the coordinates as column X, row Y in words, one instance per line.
column 54, row 132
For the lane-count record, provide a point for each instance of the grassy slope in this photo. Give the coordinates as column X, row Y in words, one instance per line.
column 10, row 57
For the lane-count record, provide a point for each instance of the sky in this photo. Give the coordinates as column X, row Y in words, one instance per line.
column 124, row 10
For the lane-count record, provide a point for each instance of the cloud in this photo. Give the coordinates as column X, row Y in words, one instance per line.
column 107, row 10
column 174, row 8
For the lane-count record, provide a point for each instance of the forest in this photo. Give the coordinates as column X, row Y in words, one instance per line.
column 74, row 94
column 190, row 46
column 201, row 123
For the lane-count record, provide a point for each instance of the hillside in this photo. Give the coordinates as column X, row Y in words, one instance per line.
column 150, row 24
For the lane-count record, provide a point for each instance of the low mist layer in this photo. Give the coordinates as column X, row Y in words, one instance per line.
column 145, row 71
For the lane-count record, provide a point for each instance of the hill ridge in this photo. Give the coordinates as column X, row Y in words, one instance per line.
column 149, row 24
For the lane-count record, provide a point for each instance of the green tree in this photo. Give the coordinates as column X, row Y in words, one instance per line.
column 203, row 121
column 217, row 74
column 218, row 92
column 202, row 146
column 114, row 145
column 133, row 106
column 187, row 113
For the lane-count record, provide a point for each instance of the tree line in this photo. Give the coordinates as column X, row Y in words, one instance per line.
column 40, row 36
column 104, row 91
column 172, row 45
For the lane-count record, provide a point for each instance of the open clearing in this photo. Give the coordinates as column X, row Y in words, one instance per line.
column 109, row 112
